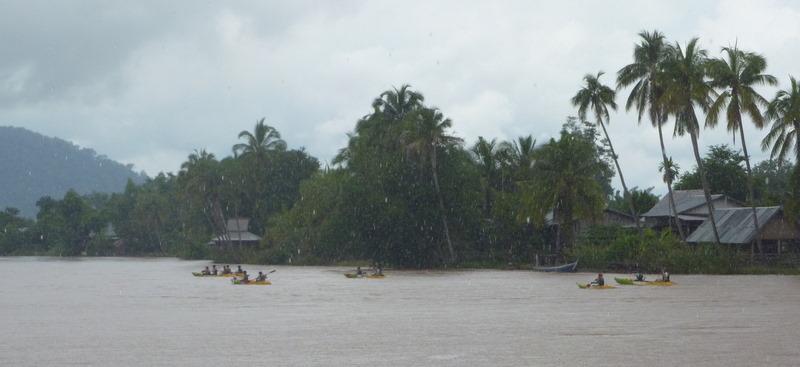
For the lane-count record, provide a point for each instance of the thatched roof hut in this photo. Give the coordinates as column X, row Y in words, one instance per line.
column 237, row 233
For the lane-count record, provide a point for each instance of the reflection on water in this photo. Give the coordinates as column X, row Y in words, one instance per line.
column 152, row 312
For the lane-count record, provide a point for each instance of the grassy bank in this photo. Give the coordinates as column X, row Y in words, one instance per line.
column 605, row 249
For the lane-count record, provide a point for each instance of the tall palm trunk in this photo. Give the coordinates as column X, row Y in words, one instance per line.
column 751, row 192
column 701, row 169
column 622, row 179
column 441, row 205
column 672, row 206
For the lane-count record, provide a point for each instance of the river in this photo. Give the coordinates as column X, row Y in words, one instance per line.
column 152, row 312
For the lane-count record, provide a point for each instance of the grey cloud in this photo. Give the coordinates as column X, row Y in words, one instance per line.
column 148, row 82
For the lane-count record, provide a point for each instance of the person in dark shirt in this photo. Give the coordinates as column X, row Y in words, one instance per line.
column 600, row 281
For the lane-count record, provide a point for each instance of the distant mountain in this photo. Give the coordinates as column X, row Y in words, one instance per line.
column 33, row 165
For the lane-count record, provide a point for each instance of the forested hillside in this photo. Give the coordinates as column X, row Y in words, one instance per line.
column 33, row 165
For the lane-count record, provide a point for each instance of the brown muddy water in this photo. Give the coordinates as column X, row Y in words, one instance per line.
column 153, row 312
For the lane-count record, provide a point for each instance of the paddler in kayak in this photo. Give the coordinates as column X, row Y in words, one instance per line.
column 598, row 282
column 245, row 277
column 214, row 270
column 639, row 276
column 664, row 275
column 206, row 271
column 239, row 269
column 359, row 272
column 261, row 277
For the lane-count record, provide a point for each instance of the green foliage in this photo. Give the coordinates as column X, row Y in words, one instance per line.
column 783, row 110
column 567, row 181
column 725, row 172
column 643, row 200
column 772, row 181
column 616, row 249
column 404, row 191
column 16, row 232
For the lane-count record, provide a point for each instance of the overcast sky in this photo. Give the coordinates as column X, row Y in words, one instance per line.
column 148, row 82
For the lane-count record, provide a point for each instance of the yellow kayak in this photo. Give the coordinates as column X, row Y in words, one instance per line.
column 657, row 283
column 372, row 276
column 587, row 286
column 200, row 274
column 252, row 282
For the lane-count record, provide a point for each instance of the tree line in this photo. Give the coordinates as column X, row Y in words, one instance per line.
column 406, row 191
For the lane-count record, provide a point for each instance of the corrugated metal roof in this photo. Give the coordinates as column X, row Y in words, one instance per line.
column 685, row 200
column 236, row 237
column 734, row 225
column 238, row 224
column 237, row 231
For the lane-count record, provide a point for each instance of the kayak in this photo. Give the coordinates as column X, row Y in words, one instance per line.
column 230, row 275
column 252, row 282
column 627, row 281
column 199, row 274
column 586, row 286
column 372, row 276
column 658, row 283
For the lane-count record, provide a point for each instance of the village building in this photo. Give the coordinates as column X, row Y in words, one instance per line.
column 691, row 208
column 237, row 234
column 736, row 227
column 609, row 217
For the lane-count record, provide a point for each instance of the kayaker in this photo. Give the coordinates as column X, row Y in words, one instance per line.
column 239, row 269
column 664, row 275
column 214, row 270
column 245, row 277
column 599, row 281
column 206, row 271
column 359, row 272
column 261, row 277
column 379, row 270
column 639, row 276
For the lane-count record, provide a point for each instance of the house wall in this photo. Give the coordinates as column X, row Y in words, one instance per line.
column 780, row 229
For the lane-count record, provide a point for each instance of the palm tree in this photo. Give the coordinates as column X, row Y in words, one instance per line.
column 645, row 72
column 670, row 171
column 264, row 138
column 784, row 112
column 598, row 97
column 486, row 154
column 201, row 182
column 397, row 103
column 736, row 76
column 424, row 138
column 685, row 86
column 520, row 154
column 565, row 184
